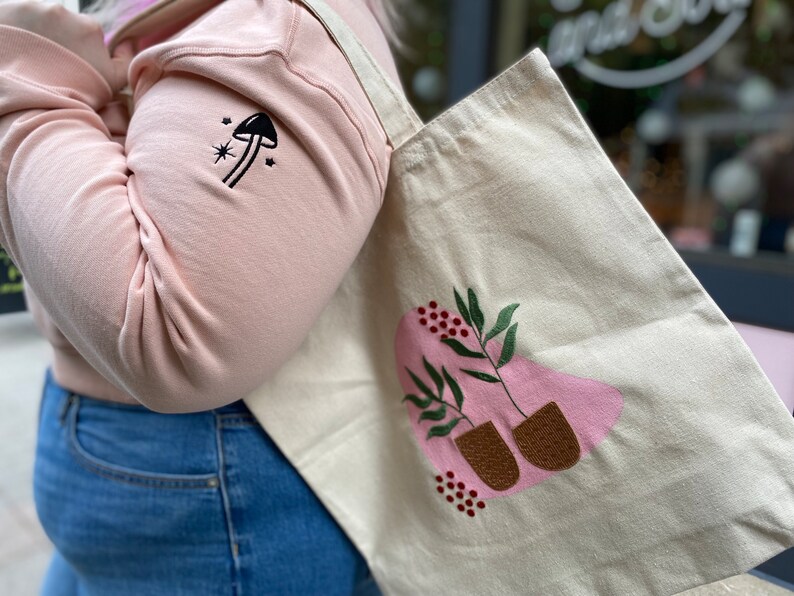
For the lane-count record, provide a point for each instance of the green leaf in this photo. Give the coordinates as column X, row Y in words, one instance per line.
column 435, row 376
column 476, row 314
column 419, row 383
column 460, row 349
column 464, row 312
column 509, row 347
column 502, row 321
column 434, row 414
column 443, row 430
column 481, row 375
column 454, row 387
column 418, row 401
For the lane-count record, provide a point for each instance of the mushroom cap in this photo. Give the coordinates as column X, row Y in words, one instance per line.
column 260, row 125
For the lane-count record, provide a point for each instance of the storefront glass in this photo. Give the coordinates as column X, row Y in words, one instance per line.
column 693, row 100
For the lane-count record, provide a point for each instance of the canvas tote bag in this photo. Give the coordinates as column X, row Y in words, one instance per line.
column 519, row 387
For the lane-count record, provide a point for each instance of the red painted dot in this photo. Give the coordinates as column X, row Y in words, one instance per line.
column 450, row 485
column 473, row 493
column 461, row 508
column 450, row 474
column 439, row 478
column 459, row 494
column 456, row 320
column 443, row 324
column 453, row 331
column 421, row 310
column 470, row 512
column 440, row 489
column 464, row 333
column 434, row 315
column 449, row 498
column 481, row 504
column 444, row 314
column 461, row 485
column 444, row 336
column 469, row 503
column 423, row 321
column 433, row 304
column 434, row 329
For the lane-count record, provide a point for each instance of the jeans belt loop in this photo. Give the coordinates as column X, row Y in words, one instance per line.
column 67, row 404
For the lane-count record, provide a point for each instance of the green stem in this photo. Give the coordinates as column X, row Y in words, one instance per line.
column 434, row 398
column 496, row 370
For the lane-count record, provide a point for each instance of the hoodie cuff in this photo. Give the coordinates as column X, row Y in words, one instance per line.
column 27, row 58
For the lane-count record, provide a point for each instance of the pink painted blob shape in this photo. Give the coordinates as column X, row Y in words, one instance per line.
column 591, row 407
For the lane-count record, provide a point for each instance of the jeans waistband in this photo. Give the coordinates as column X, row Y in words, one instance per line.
column 237, row 407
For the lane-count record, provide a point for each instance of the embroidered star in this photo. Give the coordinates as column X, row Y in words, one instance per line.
column 270, row 162
column 223, row 151
column 227, row 120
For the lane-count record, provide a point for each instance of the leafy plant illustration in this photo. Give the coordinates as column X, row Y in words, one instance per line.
column 475, row 318
column 441, row 381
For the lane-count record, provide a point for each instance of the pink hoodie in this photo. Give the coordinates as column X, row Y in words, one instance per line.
column 179, row 267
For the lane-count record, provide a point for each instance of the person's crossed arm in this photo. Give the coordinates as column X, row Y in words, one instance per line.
column 188, row 265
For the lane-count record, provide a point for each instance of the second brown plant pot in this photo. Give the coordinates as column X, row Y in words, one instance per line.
column 546, row 439
column 489, row 456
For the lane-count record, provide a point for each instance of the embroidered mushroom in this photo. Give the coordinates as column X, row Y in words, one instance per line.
column 258, row 131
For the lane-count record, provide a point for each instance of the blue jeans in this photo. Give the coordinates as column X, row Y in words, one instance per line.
column 143, row 503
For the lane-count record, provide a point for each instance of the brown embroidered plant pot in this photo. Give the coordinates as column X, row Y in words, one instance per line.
column 546, row 439
column 489, row 456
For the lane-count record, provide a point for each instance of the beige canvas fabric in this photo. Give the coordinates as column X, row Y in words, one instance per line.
column 621, row 439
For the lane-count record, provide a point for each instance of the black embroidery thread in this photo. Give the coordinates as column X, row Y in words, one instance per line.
column 223, row 150
column 258, row 131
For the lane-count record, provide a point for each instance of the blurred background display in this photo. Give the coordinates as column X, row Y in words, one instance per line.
column 11, row 298
column 693, row 100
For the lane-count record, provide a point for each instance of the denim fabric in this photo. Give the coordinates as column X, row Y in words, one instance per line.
column 143, row 503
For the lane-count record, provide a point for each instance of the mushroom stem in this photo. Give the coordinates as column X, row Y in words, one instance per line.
column 254, row 140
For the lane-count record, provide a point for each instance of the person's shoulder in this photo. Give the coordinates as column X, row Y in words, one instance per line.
column 359, row 16
column 314, row 51
column 314, row 55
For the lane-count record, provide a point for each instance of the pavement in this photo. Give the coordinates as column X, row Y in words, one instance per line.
column 24, row 548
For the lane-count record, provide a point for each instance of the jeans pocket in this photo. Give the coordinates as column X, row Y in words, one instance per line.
column 122, row 522
column 137, row 450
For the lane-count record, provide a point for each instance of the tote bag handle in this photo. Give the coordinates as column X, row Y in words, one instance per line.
column 396, row 115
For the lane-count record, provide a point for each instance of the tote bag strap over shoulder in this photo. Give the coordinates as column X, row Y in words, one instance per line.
column 396, row 115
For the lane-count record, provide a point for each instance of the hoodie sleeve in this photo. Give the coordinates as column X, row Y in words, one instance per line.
column 187, row 265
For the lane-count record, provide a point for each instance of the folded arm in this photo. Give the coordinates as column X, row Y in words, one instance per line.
column 188, row 265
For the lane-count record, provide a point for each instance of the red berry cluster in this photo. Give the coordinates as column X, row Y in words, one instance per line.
column 441, row 322
column 457, row 492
